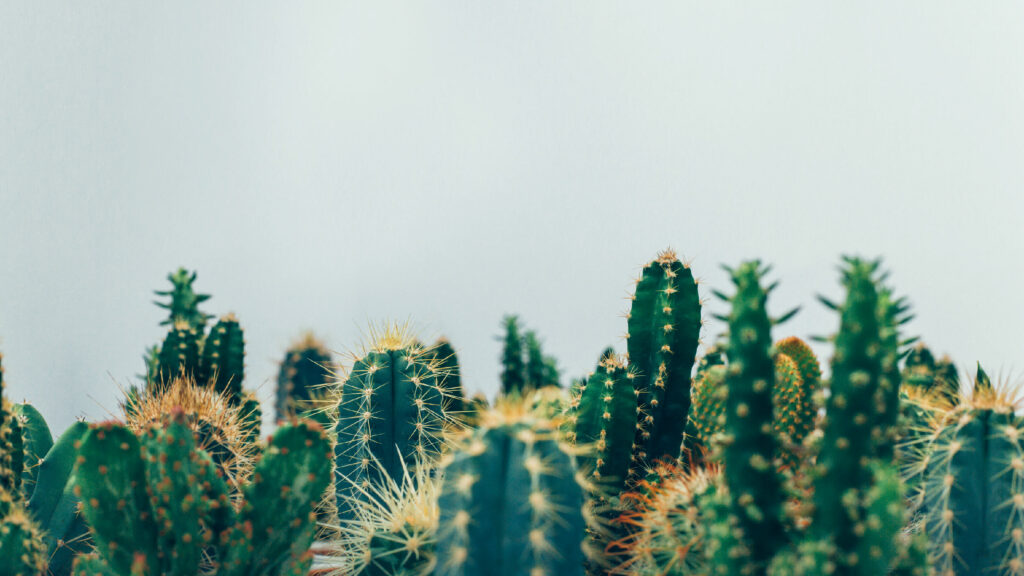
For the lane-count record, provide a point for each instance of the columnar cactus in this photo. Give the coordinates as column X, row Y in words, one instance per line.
column 179, row 354
column 392, row 411
column 810, row 378
column 223, row 361
column 160, row 505
column 604, row 419
column 511, row 503
column 182, row 306
column 664, row 331
column 22, row 552
column 973, row 487
column 754, row 490
column 307, row 367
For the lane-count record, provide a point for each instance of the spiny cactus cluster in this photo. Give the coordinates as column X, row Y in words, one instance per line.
column 747, row 463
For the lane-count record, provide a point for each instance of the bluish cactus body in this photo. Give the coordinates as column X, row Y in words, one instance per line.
column 391, row 414
column 510, row 503
column 972, row 487
column 223, row 361
column 664, row 331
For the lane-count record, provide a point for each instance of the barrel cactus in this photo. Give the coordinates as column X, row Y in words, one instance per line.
column 306, row 369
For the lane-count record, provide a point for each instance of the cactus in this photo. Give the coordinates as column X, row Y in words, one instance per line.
column 37, row 442
column 605, row 418
column 707, row 412
column 159, row 506
column 307, row 367
column 860, row 413
column 664, row 330
column 184, row 301
column 937, row 377
column 448, row 363
column 179, row 354
column 667, row 527
column 392, row 410
column 393, row 528
column 54, row 505
column 749, row 514
column 511, row 502
column 810, row 376
column 972, row 487
column 513, row 372
column 219, row 427
column 223, row 360
column 22, row 552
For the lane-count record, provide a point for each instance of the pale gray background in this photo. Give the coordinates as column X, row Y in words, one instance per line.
column 327, row 165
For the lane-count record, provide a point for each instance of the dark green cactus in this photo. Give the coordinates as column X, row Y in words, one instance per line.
column 664, row 331
column 307, row 367
column 810, row 377
column 223, row 361
column 972, row 488
column 179, row 354
column 604, row 419
column 511, row 503
column 391, row 414
column 934, row 377
column 448, row 362
column 513, row 368
column 756, row 531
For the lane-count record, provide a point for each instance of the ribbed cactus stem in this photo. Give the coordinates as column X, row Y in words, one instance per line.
column 306, row 368
column 605, row 420
column 179, row 354
column 974, row 490
column 223, row 362
column 664, row 331
column 511, row 503
column 392, row 412
column 754, row 487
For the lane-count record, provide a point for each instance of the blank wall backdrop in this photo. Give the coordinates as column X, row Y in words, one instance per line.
column 327, row 165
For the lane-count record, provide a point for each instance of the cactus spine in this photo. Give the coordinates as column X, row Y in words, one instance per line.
column 511, row 503
column 664, row 330
column 448, row 363
column 179, row 354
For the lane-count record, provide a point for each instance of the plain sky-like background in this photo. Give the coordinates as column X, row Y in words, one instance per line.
column 328, row 165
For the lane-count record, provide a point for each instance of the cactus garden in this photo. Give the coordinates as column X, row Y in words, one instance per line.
column 748, row 452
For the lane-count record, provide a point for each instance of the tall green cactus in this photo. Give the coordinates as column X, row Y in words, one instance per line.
column 754, row 487
column 664, row 331
column 810, row 378
column 184, row 301
column 511, row 503
column 223, row 361
column 604, row 419
column 972, row 487
column 307, row 367
column 160, row 503
column 392, row 411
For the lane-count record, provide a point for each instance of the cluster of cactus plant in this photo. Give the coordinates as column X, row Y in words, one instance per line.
column 746, row 463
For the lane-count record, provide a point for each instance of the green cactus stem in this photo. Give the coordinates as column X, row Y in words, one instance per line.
column 513, row 367
column 184, row 301
column 22, row 552
column 511, row 503
column 604, row 419
column 307, row 367
column 179, row 354
column 223, row 361
column 664, row 331
column 37, row 442
column 392, row 411
column 448, row 362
